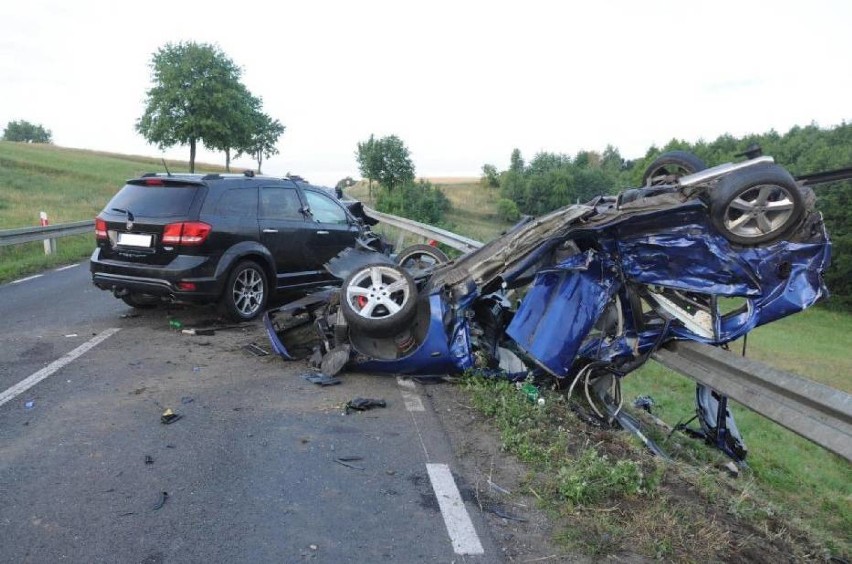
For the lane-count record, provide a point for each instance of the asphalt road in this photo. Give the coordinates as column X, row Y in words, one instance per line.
column 262, row 467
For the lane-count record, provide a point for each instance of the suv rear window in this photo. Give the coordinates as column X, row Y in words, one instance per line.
column 154, row 201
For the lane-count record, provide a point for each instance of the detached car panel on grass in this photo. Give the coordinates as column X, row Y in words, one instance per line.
column 584, row 291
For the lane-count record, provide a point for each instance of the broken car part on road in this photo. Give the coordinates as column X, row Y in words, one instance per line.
column 588, row 291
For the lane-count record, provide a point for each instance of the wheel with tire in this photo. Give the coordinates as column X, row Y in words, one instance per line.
column 140, row 301
column 246, row 291
column 421, row 257
column 670, row 166
column 755, row 205
column 379, row 299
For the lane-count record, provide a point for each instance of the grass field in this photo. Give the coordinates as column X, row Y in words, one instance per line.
column 67, row 184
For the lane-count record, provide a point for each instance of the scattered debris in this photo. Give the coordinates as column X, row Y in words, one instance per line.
column 322, row 379
column 313, row 547
column 149, row 459
column 644, row 402
column 333, row 361
column 186, row 400
column 129, row 315
column 346, row 460
column 256, row 349
column 161, row 502
column 71, row 335
column 168, row 417
column 29, row 404
column 498, row 511
column 498, row 489
column 199, row 332
column 175, row 324
column 363, row 404
column 429, row 380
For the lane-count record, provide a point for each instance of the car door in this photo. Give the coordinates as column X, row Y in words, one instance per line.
column 333, row 228
column 284, row 230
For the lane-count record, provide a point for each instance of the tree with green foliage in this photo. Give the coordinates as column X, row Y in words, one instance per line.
column 397, row 167
column 516, row 162
column 262, row 138
column 25, row 132
column 369, row 158
column 196, row 96
column 386, row 160
column 490, row 176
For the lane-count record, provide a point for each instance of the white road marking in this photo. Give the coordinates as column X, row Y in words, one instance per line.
column 34, row 379
column 411, row 399
column 28, row 278
column 459, row 526
column 67, row 267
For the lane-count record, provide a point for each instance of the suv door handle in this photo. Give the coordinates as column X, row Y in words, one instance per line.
column 270, row 231
column 322, row 232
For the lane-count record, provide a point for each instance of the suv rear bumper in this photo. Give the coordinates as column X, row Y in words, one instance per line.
column 163, row 281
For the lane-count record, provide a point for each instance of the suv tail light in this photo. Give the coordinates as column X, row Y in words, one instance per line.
column 100, row 230
column 185, row 233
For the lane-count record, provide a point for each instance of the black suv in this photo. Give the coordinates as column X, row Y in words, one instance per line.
column 230, row 239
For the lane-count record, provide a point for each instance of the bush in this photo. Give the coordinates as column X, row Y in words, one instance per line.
column 420, row 201
column 507, row 210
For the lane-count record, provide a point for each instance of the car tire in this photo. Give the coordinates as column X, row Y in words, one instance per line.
column 140, row 301
column 379, row 299
column 246, row 291
column 670, row 166
column 421, row 257
column 756, row 205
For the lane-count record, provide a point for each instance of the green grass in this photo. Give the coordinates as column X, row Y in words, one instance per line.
column 789, row 471
column 67, row 184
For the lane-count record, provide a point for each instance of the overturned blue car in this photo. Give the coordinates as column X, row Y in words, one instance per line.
column 586, row 291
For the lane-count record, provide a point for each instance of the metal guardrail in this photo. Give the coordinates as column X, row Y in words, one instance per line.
column 815, row 411
column 30, row 234
column 458, row 242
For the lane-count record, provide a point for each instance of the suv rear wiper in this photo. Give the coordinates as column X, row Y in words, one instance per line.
column 125, row 212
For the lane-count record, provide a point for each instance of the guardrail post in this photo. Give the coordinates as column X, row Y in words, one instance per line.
column 49, row 244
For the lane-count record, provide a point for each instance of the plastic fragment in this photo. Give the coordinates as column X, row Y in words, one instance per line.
column 161, row 502
column 29, row 405
column 168, row 417
column 322, row 379
column 363, row 404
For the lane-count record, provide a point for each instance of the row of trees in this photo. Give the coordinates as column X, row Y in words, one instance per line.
column 25, row 132
column 197, row 96
column 552, row 180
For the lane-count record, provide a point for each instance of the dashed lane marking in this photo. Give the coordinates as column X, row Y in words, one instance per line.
column 459, row 526
column 410, row 398
column 34, row 379
column 27, row 279
column 60, row 269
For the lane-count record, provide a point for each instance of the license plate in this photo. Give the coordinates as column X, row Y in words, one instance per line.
column 134, row 240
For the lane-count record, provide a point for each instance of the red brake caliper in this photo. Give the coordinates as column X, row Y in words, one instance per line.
column 362, row 301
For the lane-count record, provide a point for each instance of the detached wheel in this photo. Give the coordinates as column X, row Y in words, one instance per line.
column 140, row 301
column 670, row 166
column 246, row 291
column 756, row 205
column 421, row 257
column 379, row 299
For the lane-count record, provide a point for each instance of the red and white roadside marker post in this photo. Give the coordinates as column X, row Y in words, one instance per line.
column 49, row 244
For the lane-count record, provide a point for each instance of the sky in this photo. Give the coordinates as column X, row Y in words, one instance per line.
column 461, row 82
